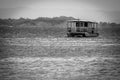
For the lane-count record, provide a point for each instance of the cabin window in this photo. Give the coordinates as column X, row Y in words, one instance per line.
column 86, row 24
column 77, row 24
column 82, row 24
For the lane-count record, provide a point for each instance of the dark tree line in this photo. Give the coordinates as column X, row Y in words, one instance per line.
column 52, row 21
column 16, row 22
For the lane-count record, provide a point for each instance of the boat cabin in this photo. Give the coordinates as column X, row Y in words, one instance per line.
column 81, row 28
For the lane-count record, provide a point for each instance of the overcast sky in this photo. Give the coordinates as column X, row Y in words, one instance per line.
column 96, row 10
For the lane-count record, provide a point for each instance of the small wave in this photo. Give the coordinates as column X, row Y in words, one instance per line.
column 33, row 59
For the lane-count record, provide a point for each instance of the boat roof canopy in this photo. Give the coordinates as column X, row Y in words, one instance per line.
column 81, row 21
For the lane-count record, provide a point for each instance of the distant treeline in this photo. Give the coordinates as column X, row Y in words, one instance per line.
column 34, row 22
column 21, row 21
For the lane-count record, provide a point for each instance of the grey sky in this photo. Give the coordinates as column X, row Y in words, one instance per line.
column 97, row 10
